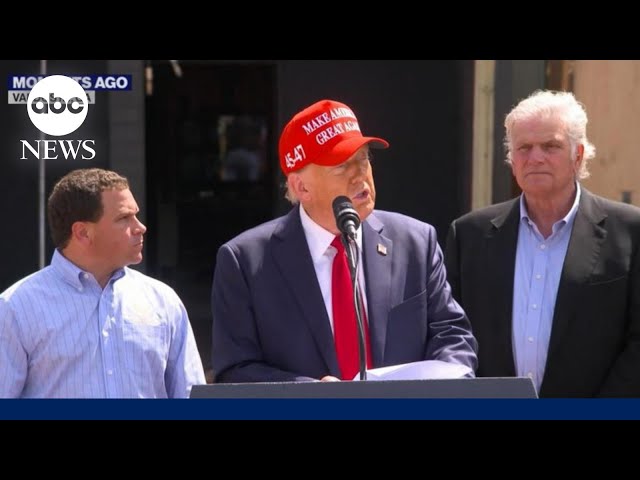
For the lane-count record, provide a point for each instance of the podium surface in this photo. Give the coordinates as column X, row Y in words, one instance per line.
column 486, row 387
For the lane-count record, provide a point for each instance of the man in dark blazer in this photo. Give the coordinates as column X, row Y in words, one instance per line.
column 551, row 280
column 271, row 295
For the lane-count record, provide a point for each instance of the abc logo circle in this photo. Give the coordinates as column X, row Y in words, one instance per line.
column 57, row 105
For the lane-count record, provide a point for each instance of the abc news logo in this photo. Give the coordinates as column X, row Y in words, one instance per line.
column 57, row 106
column 40, row 105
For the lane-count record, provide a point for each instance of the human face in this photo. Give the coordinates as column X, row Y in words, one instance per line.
column 542, row 162
column 117, row 237
column 353, row 178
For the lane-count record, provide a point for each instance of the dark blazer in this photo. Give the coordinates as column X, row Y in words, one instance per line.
column 269, row 318
column 594, row 349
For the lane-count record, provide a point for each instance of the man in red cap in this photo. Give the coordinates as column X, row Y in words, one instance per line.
column 282, row 298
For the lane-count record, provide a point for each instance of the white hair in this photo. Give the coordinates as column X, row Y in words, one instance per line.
column 561, row 105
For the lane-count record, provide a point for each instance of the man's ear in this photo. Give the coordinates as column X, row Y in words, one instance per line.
column 298, row 186
column 82, row 232
column 579, row 157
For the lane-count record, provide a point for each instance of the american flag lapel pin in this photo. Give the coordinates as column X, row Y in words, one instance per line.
column 382, row 250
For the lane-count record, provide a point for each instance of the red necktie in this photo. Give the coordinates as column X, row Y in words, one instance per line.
column 345, row 326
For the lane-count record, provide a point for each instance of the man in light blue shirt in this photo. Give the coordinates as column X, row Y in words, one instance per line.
column 550, row 280
column 87, row 326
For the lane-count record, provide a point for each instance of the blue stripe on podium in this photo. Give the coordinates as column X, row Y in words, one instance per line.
column 323, row 409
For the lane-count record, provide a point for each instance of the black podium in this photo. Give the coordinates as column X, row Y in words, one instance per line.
column 498, row 387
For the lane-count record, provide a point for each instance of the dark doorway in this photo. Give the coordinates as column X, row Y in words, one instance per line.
column 210, row 144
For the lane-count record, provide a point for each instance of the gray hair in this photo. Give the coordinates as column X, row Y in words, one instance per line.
column 561, row 105
column 289, row 195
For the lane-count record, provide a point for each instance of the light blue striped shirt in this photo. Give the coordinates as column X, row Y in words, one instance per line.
column 63, row 336
column 539, row 264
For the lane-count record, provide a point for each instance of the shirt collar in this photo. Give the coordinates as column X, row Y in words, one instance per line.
column 74, row 275
column 319, row 239
column 567, row 219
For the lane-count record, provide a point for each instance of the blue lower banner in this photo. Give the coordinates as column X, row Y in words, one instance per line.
column 323, row 409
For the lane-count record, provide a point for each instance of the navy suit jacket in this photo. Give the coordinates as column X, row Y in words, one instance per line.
column 594, row 349
column 270, row 322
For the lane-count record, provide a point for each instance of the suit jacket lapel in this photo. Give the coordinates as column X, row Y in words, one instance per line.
column 291, row 254
column 377, row 255
column 502, row 240
column 582, row 254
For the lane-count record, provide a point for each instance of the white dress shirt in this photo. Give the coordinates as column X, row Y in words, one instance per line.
column 322, row 253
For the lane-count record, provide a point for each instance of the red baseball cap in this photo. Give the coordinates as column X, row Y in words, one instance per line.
column 325, row 133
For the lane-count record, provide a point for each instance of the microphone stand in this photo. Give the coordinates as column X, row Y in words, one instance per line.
column 351, row 248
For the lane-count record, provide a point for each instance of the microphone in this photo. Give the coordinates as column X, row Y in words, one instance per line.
column 347, row 219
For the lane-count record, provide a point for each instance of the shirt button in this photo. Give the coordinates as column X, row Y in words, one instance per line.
column 109, row 372
column 85, row 275
column 534, row 306
column 543, row 246
column 80, row 289
column 105, row 334
column 538, row 277
column 530, row 339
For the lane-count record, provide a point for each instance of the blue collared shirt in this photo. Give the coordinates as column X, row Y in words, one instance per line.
column 539, row 264
column 62, row 335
